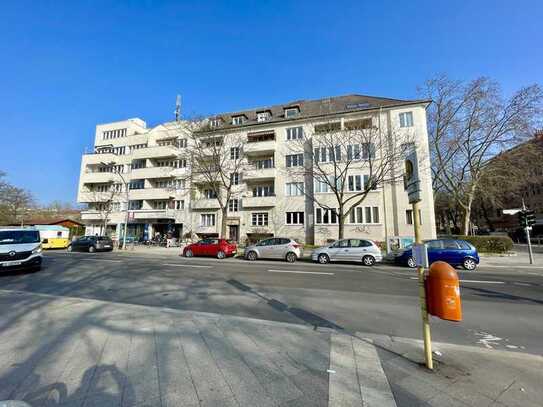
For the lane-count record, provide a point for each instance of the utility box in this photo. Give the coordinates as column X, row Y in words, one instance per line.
column 443, row 292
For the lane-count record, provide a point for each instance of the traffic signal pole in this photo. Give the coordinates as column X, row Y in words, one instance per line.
column 527, row 228
column 422, row 293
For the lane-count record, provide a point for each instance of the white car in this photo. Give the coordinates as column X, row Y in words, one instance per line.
column 275, row 248
column 359, row 250
column 20, row 249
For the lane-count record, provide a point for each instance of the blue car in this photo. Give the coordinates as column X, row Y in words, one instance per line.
column 454, row 252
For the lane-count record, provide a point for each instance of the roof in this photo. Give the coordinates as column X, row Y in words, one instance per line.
column 315, row 108
column 50, row 221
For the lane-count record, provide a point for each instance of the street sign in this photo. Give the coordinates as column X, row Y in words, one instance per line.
column 420, row 254
column 411, row 176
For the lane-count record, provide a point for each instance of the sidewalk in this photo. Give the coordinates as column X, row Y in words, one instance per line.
column 58, row 351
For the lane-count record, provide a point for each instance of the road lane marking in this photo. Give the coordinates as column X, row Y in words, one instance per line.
column 186, row 265
column 114, row 261
column 511, row 267
column 472, row 281
column 300, row 272
column 523, row 284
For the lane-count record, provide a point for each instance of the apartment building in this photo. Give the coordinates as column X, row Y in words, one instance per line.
column 272, row 197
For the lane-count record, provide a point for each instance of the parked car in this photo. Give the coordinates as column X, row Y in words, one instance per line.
column 219, row 248
column 20, row 249
column 454, row 252
column 275, row 248
column 91, row 244
column 359, row 250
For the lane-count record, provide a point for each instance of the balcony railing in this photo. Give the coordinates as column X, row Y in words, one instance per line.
column 259, row 201
column 205, row 204
column 259, row 173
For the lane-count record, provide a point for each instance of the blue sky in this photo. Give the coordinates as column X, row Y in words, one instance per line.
column 66, row 66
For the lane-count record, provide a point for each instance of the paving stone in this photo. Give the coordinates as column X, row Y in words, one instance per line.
column 344, row 387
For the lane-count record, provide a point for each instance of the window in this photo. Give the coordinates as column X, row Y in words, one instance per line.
column 233, row 205
column 260, row 137
column 325, row 216
column 170, row 184
column 210, row 194
column 179, row 205
column 259, row 219
column 295, row 218
column 372, row 214
column 450, row 244
column 263, row 190
column 406, row 119
column 434, row 244
column 353, row 152
column 295, row 133
column 264, row 163
column 237, row 120
column 409, row 216
column 354, row 183
column 117, row 187
column 135, row 205
column 136, row 184
column 328, row 154
column 341, row 243
column 182, row 143
column 234, row 153
column 172, row 163
column 327, row 127
column 295, row 160
column 359, row 243
column 321, row 186
column 294, row 188
column 263, row 116
column 234, row 178
column 212, row 142
column 356, row 215
column 291, row 112
column 137, row 164
column 207, row 219
column 159, row 204
column 215, row 122
column 135, row 147
column 358, row 124
column 118, row 150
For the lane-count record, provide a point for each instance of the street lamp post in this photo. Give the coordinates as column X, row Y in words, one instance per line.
column 125, row 186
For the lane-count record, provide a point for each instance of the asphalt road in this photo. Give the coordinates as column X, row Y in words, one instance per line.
column 502, row 307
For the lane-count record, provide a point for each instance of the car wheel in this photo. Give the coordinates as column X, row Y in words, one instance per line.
column 188, row 253
column 251, row 256
column 469, row 264
column 70, row 248
column 92, row 249
column 323, row 258
column 290, row 257
column 221, row 255
column 411, row 262
column 368, row 260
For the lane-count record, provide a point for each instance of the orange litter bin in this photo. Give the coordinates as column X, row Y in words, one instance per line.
column 443, row 292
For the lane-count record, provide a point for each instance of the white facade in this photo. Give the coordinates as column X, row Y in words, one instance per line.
column 266, row 203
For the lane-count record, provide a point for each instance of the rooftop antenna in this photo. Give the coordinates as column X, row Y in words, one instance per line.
column 178, row 108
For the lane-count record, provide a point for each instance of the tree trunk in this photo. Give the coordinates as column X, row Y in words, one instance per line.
column 224, row 212
column 467, row 211
column 341, row 224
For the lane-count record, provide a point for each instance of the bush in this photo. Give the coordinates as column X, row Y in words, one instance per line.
column 489, row 244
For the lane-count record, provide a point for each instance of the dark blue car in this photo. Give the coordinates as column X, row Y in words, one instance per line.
column 454, row 252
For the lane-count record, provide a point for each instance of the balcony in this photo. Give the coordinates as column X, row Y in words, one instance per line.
column 98, row 177
column 152, row 172
column 259, row 147
column 98, row 196
column 151, row 193
column 259, row 201
column 98, row 217
column 155, row 152
column 205, row 204
column 94, row 159
column 154, row 214
column 206, row 229
column 259, row 174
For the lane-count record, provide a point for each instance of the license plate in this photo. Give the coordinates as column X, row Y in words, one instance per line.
column 13, row 263
column 107, row 246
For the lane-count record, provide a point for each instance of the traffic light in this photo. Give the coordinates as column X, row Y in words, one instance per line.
column 526, row 218
column 530, row 218
column 411, row 176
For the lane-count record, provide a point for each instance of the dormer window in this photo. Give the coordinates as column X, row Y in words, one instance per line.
column 263, row 116
column 237, row 120
column 215, row 122
column 291, row 112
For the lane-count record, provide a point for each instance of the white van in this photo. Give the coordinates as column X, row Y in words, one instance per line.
column 20, row 248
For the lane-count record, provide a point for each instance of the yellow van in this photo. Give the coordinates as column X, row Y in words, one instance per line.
column 53, row 236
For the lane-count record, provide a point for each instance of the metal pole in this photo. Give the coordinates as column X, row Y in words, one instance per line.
column 527, row 230
column 125, row 211
column 422, row 294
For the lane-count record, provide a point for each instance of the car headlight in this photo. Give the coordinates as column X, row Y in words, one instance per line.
column 37, row 250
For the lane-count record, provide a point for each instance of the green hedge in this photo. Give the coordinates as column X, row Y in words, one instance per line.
column 489, row 244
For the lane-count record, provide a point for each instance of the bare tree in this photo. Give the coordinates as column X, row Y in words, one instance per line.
column 468, row 124
column 215, row 163
column 105, row 203
column 349, row 161
column 15, row 202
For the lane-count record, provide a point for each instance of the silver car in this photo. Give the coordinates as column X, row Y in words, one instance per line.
column 275, row 248
column 360, row 250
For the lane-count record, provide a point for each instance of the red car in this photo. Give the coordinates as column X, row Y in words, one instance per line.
column 219, row 248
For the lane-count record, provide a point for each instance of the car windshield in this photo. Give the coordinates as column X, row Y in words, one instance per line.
column 19, row 236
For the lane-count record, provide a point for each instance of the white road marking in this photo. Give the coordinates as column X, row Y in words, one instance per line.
column 511, row 267
column 114, row 261
column 472, row 281
column 186, row 265
column 299, row 272
column 523, row 284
